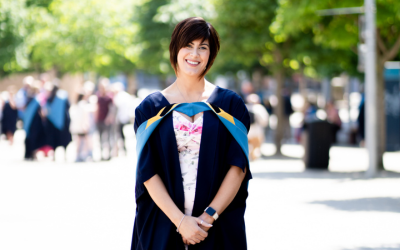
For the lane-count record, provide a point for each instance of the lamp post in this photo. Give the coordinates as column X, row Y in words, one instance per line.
column 371, row 104
column 371, row 129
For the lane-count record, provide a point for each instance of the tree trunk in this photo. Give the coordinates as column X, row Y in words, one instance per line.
column 381, row 116
column 278, row 110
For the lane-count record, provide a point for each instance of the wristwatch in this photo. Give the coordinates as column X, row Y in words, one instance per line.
column 211, row 211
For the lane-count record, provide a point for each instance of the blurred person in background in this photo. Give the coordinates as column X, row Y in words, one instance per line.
column 124, row 105
column 288, row 110
column 1, row 108
column 35, row 135
column 9, row 115
column 80, row 125
column 258, row 122
column 309, row 111
column 361, row 121
column 23, row 95
column 268, row 106
column 56, row 111
column 332, row 116
column 88, row 90
column 246, row 89
column 104, row 117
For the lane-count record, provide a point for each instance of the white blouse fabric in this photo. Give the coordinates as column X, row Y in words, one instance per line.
column 188, row 138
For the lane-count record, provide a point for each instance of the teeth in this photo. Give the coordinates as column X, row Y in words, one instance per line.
column 191, row 62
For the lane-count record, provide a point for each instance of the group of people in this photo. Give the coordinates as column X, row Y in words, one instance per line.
column 43, row 109
column 106, row 111
column 50, row 121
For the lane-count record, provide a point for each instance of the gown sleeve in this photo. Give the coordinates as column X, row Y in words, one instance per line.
column 146, row 166
column 236, row 155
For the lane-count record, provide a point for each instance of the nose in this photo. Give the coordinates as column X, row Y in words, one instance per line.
column 194, row 52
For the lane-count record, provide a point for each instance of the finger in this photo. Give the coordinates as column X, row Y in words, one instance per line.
column 201, row 238
column 201, row 232
column 184, row 240
column 192, row 242
column 196, row 240
column 203, row 223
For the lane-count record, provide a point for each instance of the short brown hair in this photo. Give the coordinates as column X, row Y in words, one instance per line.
column 191, row 29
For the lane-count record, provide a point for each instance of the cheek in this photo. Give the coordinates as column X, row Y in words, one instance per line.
column 205, row 57
column 181, row 55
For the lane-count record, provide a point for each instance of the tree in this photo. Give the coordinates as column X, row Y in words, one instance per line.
column 253, row 37
column 85, row 35
column 14, row 54
column 342, row 32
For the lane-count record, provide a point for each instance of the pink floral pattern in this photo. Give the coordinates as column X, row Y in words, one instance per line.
column 188, row 138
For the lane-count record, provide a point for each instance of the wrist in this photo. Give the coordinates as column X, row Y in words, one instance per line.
column 176, row 219
column 207, row 218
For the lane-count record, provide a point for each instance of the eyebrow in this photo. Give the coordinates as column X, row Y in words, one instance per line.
column 201, row 44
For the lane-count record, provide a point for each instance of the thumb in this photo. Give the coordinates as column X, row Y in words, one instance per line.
column 205, row 224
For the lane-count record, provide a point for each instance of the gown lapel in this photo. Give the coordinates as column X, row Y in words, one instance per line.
column 173, row 178
column 205, row 172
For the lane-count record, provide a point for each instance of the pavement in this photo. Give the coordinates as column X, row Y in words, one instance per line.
column 62, row 205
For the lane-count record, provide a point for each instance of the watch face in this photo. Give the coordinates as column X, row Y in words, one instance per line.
column 210, row 211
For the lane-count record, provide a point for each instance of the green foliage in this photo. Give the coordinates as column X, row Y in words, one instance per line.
column 339, row 33
column 14, row 24
column 152, row 39
column 86, row 35
column 107, row 37
column 244, row 30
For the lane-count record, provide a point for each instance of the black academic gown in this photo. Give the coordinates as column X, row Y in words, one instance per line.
column 57, row 137
column 36, row 137
column 218, row 151
column 9, row 121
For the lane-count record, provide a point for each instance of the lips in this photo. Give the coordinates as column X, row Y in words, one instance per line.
column 192, row 63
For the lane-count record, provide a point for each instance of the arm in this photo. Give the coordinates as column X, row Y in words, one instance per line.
column 226, row 193
column 189, row 228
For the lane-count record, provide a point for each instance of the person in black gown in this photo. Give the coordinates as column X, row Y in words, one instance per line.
column 35, row 136
column 10, row 116
column 57, row 120
column 216, row 220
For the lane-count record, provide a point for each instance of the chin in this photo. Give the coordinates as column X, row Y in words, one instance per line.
column 191, row 74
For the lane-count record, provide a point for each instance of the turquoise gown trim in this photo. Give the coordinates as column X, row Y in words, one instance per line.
column 235, row 127
column 29, row 113
column 56, row 109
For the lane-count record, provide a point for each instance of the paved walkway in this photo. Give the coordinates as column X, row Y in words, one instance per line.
column 68, row 206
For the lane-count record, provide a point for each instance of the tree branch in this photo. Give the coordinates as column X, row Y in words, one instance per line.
column 393, row 51
column 381, row 43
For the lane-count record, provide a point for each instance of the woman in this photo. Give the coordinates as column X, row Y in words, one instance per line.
column 10, row 116
column 57, row 120
column 79, row 126
column 192, row 173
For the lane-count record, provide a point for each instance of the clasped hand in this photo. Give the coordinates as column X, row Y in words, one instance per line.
column 193, row 230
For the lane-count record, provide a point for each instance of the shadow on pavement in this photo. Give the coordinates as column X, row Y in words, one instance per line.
column 279, row 157
column 323, row 174
column 379, row 204
column 374, row 248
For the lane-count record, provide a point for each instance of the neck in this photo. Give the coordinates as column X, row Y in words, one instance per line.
column 190, row 85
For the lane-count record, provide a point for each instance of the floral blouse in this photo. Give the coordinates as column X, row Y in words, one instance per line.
column 188, row 137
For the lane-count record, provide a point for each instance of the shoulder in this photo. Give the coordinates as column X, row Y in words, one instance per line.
column 151, row 105
column 232, row 103
column 227, row 99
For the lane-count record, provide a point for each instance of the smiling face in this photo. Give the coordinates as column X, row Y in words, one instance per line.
column 193, row 58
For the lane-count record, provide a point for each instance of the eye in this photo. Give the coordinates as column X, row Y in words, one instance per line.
column 189, row 46
column 204, row 47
